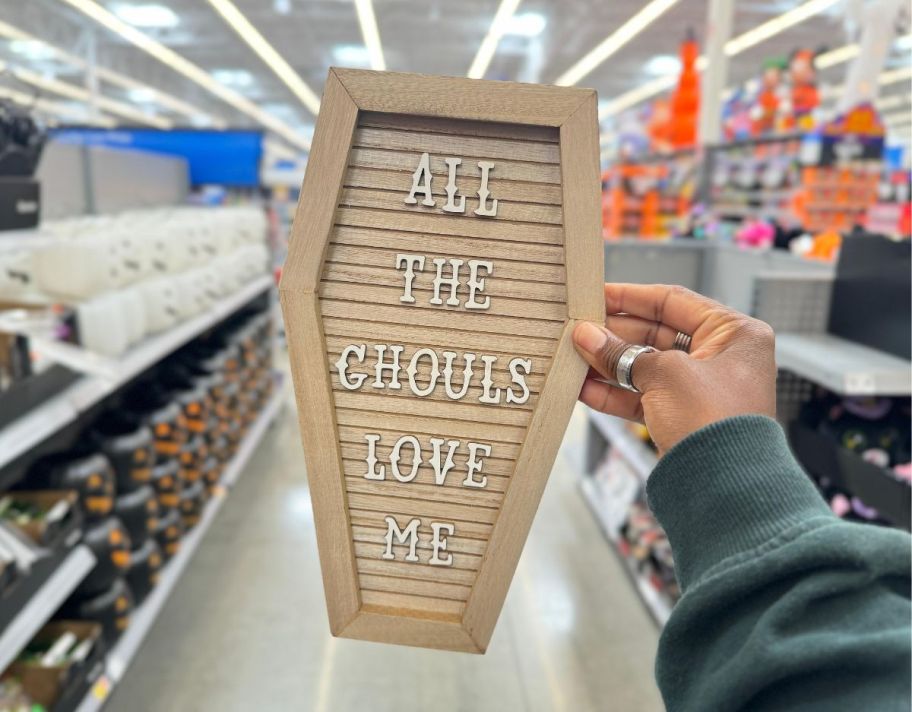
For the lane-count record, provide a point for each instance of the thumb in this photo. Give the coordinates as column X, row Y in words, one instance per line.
column 602, row 350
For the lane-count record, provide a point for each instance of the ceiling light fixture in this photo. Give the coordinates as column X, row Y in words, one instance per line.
column 617, row 39
column 370, row 33
column 635, row 96
column 526, row 24
column 247, row 32
column 351, row 56
column 239, row 78
column 776, row 25
column 662, row 65
column 488, row 47
column 32, row 49
column 55, row 109
column 108, row 75
column 179, row 64
column 71, row 91
column 891, row 102
column 891, row 76
column 837, row 56
column 897, row 119
column 151, row 15
column 732, row 47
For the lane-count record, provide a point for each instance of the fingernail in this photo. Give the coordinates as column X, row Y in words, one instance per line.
column 590, row 338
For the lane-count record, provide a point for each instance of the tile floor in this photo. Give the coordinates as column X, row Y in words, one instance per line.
column 245, row 628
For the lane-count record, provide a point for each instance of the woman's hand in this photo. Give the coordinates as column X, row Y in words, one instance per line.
column 731, row 368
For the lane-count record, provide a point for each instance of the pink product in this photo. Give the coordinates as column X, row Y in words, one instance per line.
column 904, row 471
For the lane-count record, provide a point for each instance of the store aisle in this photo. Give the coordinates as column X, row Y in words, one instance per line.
column 246, row 628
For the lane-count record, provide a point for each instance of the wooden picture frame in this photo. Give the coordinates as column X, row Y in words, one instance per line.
column 501, row 111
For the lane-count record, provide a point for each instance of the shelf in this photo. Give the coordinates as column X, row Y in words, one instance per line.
column 640, row 458
column 843, row 366
column 655, row 603
column 43, row 604
column 40, row 423
column 143, row 618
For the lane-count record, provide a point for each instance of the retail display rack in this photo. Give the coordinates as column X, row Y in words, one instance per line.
column 797, row 298
column 38, row 595
column 65, row 408
column 648, row 195
column 143, row 618
column 793, row 179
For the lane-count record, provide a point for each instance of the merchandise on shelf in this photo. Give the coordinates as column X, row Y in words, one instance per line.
column 48, row 517
column 142, row 470
column 858, row 450
column 111, row 609
column 57, row 667
column 822, row 182
column 146, row 562
column 110, row 544
column 135, row 274
column 648, row 197
column 82, row 469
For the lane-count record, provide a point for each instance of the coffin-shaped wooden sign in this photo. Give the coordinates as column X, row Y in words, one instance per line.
column 446, row 242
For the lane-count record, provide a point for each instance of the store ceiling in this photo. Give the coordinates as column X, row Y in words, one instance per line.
column 430, row 36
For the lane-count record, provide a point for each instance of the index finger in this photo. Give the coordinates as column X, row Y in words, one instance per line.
column 672, row 305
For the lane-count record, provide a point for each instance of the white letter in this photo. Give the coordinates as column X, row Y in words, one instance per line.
column 393, row 367
column 342, row 364
column 448, row 374
column 371, row 460
column 423, row 169
column 439, row 543
column 474, row 465
column 410, row 262
column 452, row 190
column 453, row 281
column 519, row 379
column 395, row 457
column 483, row 192
column 440, row 471
column 477, row 283
column 412, row 371
column 410, row 532
column 488, row 381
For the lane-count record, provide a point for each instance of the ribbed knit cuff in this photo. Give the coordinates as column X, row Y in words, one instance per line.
column 726, row 489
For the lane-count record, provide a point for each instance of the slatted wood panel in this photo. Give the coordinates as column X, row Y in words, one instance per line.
column 359, row 293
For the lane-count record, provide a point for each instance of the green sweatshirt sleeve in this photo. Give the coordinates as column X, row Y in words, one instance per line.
column 784, row 605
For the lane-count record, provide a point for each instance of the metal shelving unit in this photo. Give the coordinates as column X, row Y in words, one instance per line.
column 655, row 603
column 634, row 451
column 143, row 618
column 40, row 423
column 842, row 366
column 59, row 585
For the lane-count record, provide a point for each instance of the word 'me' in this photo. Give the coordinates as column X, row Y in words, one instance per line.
column 455, row 203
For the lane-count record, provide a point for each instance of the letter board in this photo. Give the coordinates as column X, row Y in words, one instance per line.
column 446, row 242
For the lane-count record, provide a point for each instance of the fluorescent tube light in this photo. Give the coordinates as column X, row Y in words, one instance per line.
column 499, row 26
column 78, row 93
column 776, row 25
column 891, row 76
column 617, row 39
column 191, row 71
column 891, row 102
column 247, row 32
column 56, row 109
column 370, row 33
column 635, row 96
column 897, row 119
column 112, row 77
column 150, row 15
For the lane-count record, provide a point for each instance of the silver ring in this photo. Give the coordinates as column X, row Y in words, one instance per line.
column 625, row 366
column 682, row 342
